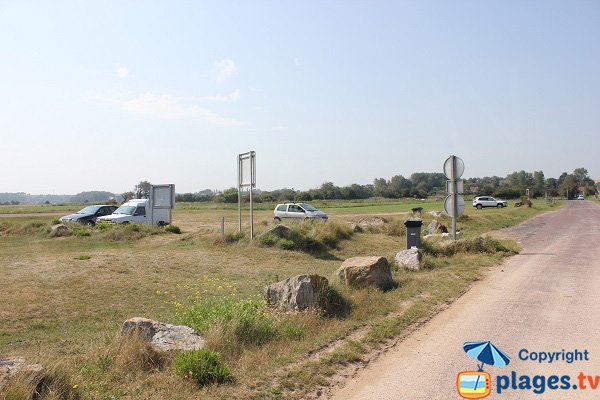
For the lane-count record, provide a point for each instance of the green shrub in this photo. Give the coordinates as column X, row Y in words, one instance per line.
column 309, row 236
column 248, row 321
column 287, row 244
column 268, row 240
column 79, row 230
column 173, row 229
column 233, row 237
column 104, row 226
column 293, row 331
column 470, row 246
column 203, row 366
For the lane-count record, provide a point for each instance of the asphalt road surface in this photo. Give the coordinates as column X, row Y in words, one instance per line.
column 546, row 299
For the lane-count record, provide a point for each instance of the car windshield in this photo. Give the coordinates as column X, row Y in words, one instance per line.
column 308, row 207
column 88, row 210
column 125, row 210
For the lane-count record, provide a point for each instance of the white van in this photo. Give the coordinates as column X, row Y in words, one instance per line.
column 137, row 211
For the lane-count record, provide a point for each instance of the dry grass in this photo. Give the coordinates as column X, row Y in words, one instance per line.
column 68, row 310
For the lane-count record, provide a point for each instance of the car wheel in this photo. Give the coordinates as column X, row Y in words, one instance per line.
column 306, row 218
column 277, row 219
column 479, row 206
column 89, row 223
column 161, row 223
column 500, row 205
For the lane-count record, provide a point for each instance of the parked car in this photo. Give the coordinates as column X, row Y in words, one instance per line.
column 138, row 211
column 299, row 211
column 89, row 214
column 580, row 197
column 487, row 201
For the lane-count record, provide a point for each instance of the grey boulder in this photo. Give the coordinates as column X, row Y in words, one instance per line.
column 363, row 272
column 164, row 337
column 409, row 259
column 302, row 292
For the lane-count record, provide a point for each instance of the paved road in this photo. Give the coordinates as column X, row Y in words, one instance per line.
column 545, row 299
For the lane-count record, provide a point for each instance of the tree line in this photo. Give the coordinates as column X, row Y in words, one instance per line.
column 421, row 185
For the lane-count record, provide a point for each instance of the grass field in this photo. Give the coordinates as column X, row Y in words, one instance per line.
column 64, row 299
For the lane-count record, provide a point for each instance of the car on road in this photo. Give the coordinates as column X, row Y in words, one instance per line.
column 488, row 201
column 580, row 197
column 298, row 211
column 89, row 214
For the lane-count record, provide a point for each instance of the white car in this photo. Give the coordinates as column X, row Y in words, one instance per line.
column 580, row 197
column 137, row 211
column 488, row 201
column 301, row 211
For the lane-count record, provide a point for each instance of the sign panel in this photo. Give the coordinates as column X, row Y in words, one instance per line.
column 459, row 168
column 163, row 196
column 460, row 185
column 449, row 205
column 247, row 169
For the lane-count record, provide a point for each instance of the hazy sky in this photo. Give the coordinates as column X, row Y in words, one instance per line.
column 100, row 95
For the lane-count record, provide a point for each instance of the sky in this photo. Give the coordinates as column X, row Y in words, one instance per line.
column 100, row 95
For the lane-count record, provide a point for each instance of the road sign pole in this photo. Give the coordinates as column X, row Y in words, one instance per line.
column 455, row 198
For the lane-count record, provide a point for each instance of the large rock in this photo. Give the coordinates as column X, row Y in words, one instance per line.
column 373, row 221
column 299, row 293
column 362, row 272
column 433, row 227
column 11, row 366
column 280, row 231
column 164, row 337
column 409, row 259
column 59, row 230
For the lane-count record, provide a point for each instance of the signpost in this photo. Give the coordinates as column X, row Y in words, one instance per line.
column 162, row 197
column 246, row 178
column 454, row 204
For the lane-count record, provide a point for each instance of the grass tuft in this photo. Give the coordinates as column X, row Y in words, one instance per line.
column 203, row 366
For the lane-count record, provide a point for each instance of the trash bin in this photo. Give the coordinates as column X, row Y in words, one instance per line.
column 413, row 232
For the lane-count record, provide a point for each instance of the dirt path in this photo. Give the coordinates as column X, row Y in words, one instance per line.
column 545, row 299
column 52, row 214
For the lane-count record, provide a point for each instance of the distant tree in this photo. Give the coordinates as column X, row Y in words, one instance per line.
column 128, row 195
column 142, row 190
column 227, row 196
column 538, row 183
column 569, row 187
column 580, row 175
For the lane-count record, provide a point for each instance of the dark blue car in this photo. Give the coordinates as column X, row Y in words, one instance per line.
column 88, row 215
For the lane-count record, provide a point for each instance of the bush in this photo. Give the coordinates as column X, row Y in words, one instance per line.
column 203, row 366
column 247, row 321
column 309, row 236
column 233, row 237
column 469, row 246
column 173, row 229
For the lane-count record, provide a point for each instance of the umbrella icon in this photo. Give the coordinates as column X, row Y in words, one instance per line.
column 486, row 353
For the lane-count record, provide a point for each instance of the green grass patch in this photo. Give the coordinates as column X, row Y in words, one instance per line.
column 202, row 366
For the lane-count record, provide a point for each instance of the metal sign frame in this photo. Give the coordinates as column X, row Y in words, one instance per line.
column 169, row 206
column 246, row 160
column 454, row 167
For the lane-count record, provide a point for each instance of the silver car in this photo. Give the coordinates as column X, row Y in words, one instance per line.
column 488, row 201
column 298, row 211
